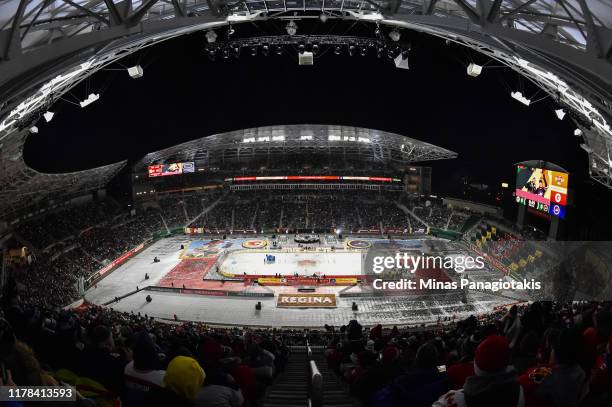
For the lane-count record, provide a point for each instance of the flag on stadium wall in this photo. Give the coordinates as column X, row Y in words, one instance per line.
column 493, row 230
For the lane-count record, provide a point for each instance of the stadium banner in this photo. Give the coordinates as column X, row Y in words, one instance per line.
column 248, row 294
column 194, row 231
column 163, row 289
column 200, row 291
column 306, row 301
column 112, row 265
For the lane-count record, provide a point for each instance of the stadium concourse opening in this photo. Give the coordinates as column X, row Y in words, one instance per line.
column 283, row 204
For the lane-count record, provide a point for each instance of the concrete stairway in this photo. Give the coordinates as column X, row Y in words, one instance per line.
column 291, row 388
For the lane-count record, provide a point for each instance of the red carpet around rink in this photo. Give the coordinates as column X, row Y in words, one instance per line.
column 188, row 272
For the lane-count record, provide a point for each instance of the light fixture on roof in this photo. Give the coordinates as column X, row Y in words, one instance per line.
column 135, row 71
column 323, row 17
column 401, row 61
column 211, row 36
column 48, row 116
column 351, row 50
column 395, row 35
column 519, row 96
column 279, row 50
column 338, row 50
column 306, row 58
column 577, row 132
column 560, row 113
column 265, row 50
column 291, row 27
column 474, row 69
column 254, row 51
column 90, row 99
column 34, row 130
column 212, row 54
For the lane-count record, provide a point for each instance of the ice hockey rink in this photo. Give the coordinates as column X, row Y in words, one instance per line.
column 290, row 263
column 229, row 310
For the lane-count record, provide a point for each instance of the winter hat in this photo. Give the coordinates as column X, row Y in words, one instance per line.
column 370, row 345
column 390, row 354
column 184, row 376
column 492, row 355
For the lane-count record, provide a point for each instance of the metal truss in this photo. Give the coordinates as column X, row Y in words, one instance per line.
column 268, row 143
column 565, row 46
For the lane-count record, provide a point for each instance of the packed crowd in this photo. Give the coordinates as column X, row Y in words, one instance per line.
column 543, row 354
column 131, row 359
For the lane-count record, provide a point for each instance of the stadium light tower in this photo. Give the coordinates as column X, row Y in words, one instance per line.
column 474, row 70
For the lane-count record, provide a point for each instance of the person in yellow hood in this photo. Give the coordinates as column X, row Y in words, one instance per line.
column 182, row 382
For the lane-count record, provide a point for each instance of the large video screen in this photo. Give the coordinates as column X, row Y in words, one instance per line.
column 541, row 189
column 162, row 170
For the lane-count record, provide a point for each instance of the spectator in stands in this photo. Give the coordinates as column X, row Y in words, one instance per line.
column 102, row 361
column 420, row 386
column 182, row 383
column 143, row 373
column 566, row 383
column 495, row 383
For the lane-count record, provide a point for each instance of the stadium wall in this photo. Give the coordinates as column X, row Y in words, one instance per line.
column 473, row 206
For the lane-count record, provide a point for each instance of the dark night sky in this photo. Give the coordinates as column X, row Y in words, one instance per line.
column 184, row 96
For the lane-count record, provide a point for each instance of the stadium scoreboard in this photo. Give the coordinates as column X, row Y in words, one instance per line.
column 542, row 189
column 162, row 170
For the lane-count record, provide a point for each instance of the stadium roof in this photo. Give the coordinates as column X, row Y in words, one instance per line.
column 564, row 46
column 274, row 141
column 22, row 187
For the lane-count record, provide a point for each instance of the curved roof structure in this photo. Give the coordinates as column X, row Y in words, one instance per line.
column 22, row 187
column 273, row 141
column 564, row 46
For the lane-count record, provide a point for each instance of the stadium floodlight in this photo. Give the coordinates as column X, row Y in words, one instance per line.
column 211, row 36
column 474, row 70
column 291, row 27
column 577, row 132
column 323, row 17
column 401, row 61
column 48, row 116
column 560, row 113
column 135, row 72
column 90, row 99
column 34, row 130
column 306, row 58
column 504, row 185
column 519, row 96
column 395, row 35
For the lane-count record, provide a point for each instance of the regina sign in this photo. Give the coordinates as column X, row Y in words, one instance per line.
column 306, row 300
